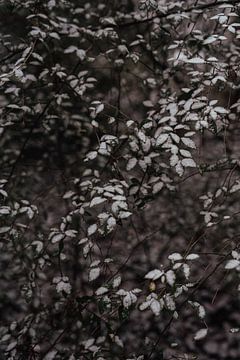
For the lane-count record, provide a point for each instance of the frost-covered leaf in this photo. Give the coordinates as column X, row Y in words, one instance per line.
column 161, row 139
column 188, row 163
column 196, row 60
column 188, row 142
column 154, row 274
column 170, row 277
column 97, row 200
column 200, row 334
column 175, row 257
column 155, row 307
column 232, row 264
column 102, row 290
column 57, row 237
column 192, row 256
column 94, row 273
column 92, row 229
column 131, row 164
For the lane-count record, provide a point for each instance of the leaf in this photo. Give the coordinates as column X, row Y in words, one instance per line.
column 4, row 229
column 157, row 187
column 170, row 277
column 192, row 257
column 196, row 60
column 3, row 193
column 200, row 334
column 96, row 201
column 232, row 264
column 188, row 163
column 71, row 233
column 81, row 54
column 91, row 155
column 154, row 274
column 131, row 164
column 185, row 153
column 94, row 273
column 117, row 281
column 210, row 39
column 161, row 139
column 179, row 169
column 188, row 142
column 175, row 257
column 174, row 160
column 221, row 110
column 102, row 290
column 70, row 49
column 201, row 312
column 129, row 299
column 155, row 307
column 92, row 229
column 57, row 237
column 186, row 270
column 124, row 214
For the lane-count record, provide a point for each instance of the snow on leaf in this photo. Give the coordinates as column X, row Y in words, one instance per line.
column 57, row 237
column 124, row 214
column 91, row 155
column 92, row 229
column 3, row 193
column 154, row 274
column 161, row 139
column 157, row 187
column 170, row 277
column 131, row 164
column 188, row 163
column 192, row 257
column 201, row 312
column 174, row 160
column 232, row 264
column 155, row 307
column 185, row 153
column 179, row 169
column 129, row 299
column 188, row 142
column 221, row 110
column 71, row 233
column 200, row 334
column 4, row 229
column 175, row 257
column 94, row 273
column 186, row 270
column 210, row 39
column 196, row 60
column 102, row 290
column 96, row 201
column 117, row 281
column 70, row 49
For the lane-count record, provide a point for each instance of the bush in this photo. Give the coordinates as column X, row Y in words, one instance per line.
column 119, row 179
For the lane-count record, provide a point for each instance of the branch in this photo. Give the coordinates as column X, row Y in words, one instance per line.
column 190, row 9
